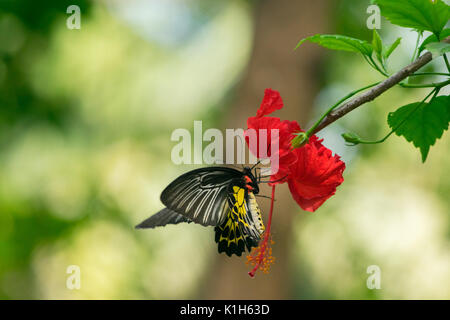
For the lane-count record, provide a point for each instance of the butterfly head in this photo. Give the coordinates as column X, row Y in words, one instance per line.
column 251, row 181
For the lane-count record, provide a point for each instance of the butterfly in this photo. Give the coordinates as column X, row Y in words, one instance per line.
column 215, row 196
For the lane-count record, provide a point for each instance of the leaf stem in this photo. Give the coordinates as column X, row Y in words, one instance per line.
column 414, row 56
column 433, row 92
column 348, row 96
column 438, row 37
column 378, row 68
column 428, row 85
column 446, row 62
column 430, row 74
column 370, row 62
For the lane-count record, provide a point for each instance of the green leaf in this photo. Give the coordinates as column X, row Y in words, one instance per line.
column 444, row 34
column 339, row 42
column 438, row 48
column 377, row 45
column 422, row 124
column 392, row 47
column 418, row 14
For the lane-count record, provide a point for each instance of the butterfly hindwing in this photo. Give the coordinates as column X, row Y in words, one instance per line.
column 240, row 230
column 162, row 218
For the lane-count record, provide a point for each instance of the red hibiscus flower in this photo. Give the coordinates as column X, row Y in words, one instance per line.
column 310, row 169
column 315, row 175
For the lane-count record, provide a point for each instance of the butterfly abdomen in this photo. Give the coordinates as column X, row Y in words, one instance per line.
column 256, row 213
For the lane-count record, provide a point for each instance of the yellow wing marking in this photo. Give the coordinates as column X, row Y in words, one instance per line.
column 243, row 225
column 239, row 195
column 235, row 217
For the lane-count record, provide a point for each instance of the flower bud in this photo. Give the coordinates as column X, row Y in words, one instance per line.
column 351, row 138
column 300, row 140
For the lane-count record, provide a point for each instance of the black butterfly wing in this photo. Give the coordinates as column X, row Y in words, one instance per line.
column 202, row 195
column 162, row 218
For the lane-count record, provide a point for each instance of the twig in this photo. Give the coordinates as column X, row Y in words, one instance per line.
column 376, row 91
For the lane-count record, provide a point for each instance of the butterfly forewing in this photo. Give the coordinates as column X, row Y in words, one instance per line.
column 202, row 195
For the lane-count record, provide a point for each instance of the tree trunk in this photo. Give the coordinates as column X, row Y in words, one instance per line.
column 279, row 25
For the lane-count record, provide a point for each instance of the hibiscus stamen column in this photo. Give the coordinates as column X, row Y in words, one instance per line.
column 262, row 256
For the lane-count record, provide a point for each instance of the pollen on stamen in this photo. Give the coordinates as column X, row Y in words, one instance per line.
column 261, row 257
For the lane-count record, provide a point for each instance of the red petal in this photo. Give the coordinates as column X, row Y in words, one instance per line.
column 264, row 123
column 272, row 101
column 286, row 131
column 315, row 175
column 285, row 162
column 258, row 124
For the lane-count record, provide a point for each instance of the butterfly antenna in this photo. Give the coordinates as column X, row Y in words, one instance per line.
column 259, row 161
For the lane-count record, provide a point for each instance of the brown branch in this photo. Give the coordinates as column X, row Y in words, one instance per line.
column 376, row 91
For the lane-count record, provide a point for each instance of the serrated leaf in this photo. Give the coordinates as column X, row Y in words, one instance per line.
column 438, row 48
column 392, row 47
column 444, row 34
column 417, row 14
column 339, row 42
column 422, row 124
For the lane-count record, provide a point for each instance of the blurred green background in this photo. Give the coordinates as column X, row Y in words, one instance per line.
column 85, row 123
